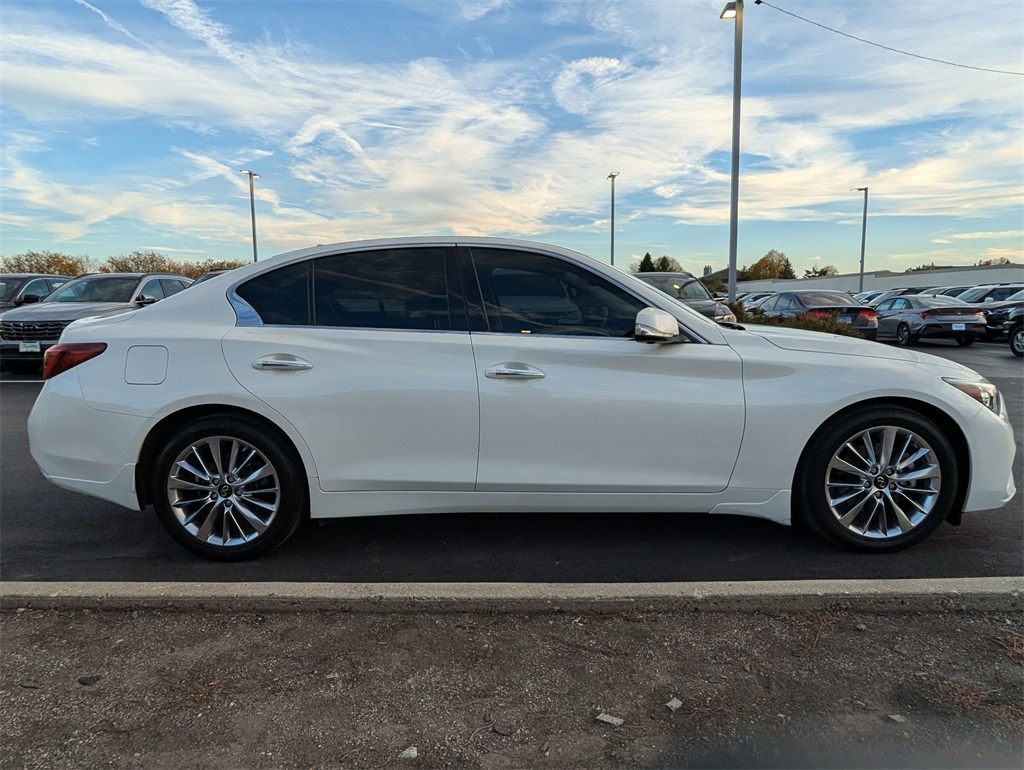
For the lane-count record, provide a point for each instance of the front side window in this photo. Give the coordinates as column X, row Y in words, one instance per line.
column 528, row 293
column 152, row 289
column 38, row 287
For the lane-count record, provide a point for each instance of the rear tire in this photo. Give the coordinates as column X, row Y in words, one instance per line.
column 965, row 342
column 903, row 336
column 879, row 480
column 228, row 489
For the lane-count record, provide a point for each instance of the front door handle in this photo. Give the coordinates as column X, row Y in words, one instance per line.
column 284, row 363
column 513, row 371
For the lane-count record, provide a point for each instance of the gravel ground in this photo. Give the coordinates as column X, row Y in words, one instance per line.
column 175, row 689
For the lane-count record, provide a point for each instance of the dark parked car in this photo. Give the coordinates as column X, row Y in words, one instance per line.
column 17, row 289
column 817, row 303
column 908, row 319
column 991, row 293
column 1014, row 328
column 27, row 332
column 686, row 288
column 211, row 274
column 996, row 313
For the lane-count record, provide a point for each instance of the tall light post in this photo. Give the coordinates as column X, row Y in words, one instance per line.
column 734, row 10
column 252, row 207
column 612, row 176
column 863, row 233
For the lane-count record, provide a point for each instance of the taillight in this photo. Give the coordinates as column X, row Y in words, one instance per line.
column 68, row 355
column 927, row 313
column 869, row 317
column 817, row 313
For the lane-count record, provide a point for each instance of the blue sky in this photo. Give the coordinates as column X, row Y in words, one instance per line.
column 125, row 123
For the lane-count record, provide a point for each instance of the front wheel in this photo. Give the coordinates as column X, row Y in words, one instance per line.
column 879, row 480
column 228, row 489
column 965, row 342
column 1017, row 340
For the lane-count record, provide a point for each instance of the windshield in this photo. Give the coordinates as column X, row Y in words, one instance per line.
column 97, row 288
column 976, row 293
column 940, row 301
column 818, row 298
column 8, row 288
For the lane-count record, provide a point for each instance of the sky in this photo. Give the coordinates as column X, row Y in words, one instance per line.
column 124, row 124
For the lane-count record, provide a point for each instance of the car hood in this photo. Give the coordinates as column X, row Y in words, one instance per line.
column 819, row 342
column 66, row 311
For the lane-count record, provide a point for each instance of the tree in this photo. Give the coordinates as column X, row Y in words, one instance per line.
column 47, row 262
column 660, row 265
column 140, row 262
column 774, row 264
column 994, row 261
column 646, row 265
column 154, row 262
column 819, row 270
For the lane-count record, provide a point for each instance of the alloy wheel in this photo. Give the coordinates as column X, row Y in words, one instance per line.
column 223, row 491
column 883, row 482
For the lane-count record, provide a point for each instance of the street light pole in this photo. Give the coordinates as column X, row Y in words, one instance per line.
column 612, row 176
column 863, row 234
column 252, row 208
column 734, row 10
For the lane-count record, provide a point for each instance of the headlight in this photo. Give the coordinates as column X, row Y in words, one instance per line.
column 724, row 315
column 982, row 391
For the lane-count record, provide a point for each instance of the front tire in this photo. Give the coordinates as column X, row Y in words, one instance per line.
column 1017, row 340
column 878, row 480
column 228, row 489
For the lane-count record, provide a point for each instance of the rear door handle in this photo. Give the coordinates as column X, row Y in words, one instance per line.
column 281, row 363
column 513, row 371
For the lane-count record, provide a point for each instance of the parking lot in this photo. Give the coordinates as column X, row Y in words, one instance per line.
column 52, row 534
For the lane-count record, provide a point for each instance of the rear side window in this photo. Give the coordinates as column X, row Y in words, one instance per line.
column 281, row 297
column 528, row 293
column 385, row 289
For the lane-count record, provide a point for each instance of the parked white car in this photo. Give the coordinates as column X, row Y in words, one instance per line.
column 474, row 374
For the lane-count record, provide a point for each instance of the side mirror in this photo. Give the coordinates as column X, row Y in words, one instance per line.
column 718, row 296
column 653, row 325
column 28, row 299
column 145, row 299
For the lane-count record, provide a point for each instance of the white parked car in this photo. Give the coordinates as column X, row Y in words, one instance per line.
column 475, row 374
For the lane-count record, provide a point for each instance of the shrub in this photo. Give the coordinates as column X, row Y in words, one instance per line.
column 827, row 324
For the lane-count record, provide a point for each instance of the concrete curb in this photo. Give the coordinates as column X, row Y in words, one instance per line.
column 1004, row 594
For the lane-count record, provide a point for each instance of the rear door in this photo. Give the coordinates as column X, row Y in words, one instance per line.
column 368, row 355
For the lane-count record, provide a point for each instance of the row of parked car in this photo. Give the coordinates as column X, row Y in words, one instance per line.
column 905, row 315
column 35, row 309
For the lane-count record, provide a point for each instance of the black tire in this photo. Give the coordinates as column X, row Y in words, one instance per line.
column 22, row 367
column 834, row 501
column 244, row 504
column 1017, row 340
column 965, row 342
column 903, row 336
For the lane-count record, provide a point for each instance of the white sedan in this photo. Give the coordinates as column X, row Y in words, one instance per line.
column 475, row 374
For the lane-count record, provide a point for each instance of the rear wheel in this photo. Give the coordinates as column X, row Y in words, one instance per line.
column 1017, row 340
column 228, row 490
column 903, row 336
column 965, row 341
column 878, row 480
